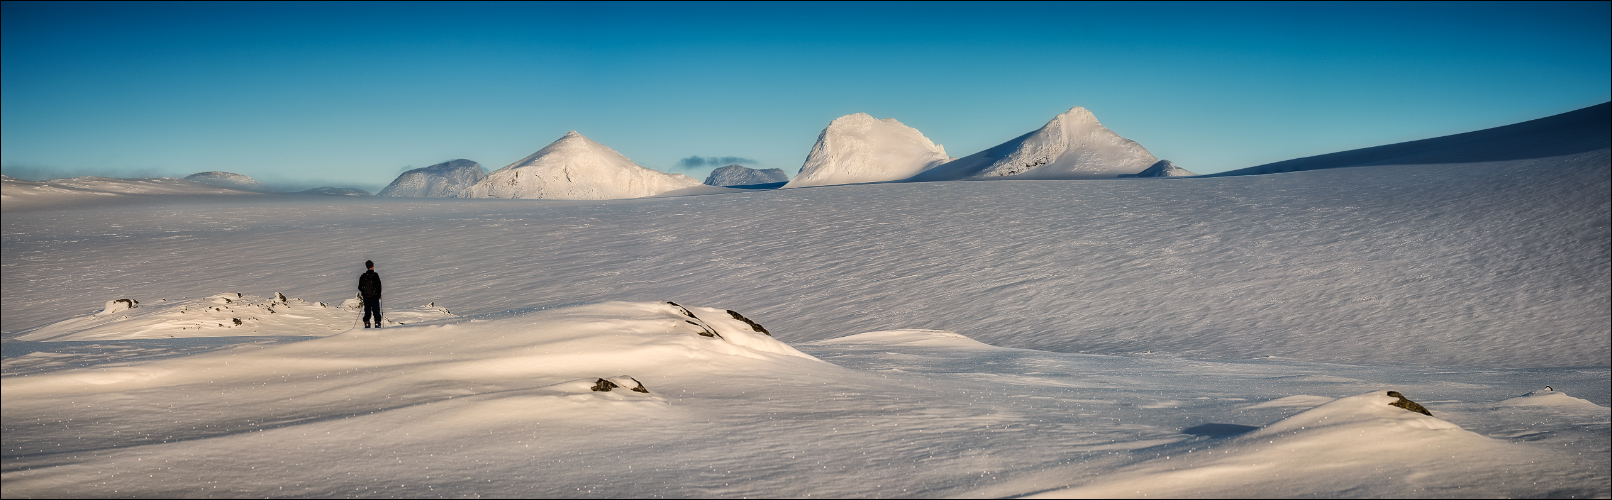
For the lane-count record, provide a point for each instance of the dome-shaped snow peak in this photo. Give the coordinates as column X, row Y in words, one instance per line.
column 1071, row 146
column 860, row 148
column 576, row 168
column 229, row 180
column 443, row 180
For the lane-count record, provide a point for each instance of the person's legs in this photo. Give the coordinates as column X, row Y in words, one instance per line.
column 372, row 307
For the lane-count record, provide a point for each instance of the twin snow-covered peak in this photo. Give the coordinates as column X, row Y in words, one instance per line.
column 577, row 168
column 1071, row 146
column 859, row 148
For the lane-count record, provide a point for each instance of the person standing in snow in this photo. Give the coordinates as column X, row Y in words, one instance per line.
column 369, row 288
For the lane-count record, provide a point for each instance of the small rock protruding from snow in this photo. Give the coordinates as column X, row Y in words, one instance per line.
column 1071, row 146
column 577, row 168
column 119, row 305
column 229, row 180
column 739, row 175
column 607, row 384
column 1407, row 404
column 448, row 179
column 1163, row 168
column 859, row 148
column 280, row 298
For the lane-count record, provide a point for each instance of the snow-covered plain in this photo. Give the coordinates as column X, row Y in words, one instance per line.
column 1229, row 336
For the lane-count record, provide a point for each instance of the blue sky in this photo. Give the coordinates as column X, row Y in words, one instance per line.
column 305, row 94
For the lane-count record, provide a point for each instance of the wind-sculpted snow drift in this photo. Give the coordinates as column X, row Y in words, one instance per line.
column 576, row 168
column 448, row 179
column 1071, row 146
column 859, row 148
column 698, row 400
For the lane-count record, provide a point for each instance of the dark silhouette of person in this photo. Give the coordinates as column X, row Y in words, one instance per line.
column 369, row 288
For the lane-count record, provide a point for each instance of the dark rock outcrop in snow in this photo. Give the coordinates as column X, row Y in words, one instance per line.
column 1162, row 169
column 229, row 180
column 444, row 180
column 1407, row 404
column 605, row 385
column 753, row 325
column 737, row 175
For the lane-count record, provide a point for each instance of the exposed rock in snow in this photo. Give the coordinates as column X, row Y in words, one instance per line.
column 737, row 175
column 448, row 179
column 222, row 315
column 858, row 148
column 335, row 191
column 576, row 168
column 229, row 180
column 1578, row 131
column 1407, row 404
column 606, row 384
column 1071, row 146
column 1162, row 169
column 119, row 305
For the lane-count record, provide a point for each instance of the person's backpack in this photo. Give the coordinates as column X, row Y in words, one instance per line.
column 369, row 285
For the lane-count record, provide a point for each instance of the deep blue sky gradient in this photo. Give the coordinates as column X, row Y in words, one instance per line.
column 351, row 93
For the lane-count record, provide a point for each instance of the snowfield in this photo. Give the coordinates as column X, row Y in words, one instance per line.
column 1213, row 337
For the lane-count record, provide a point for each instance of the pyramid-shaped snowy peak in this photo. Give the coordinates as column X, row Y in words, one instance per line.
column 860, row 148
column 1071, row 146
column 576, row 168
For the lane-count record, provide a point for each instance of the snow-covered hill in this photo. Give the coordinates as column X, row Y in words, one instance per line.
column 859, row 148
column 1071, row 146
column 229, row 180
column 577, row 168
column 448, row 179
column 1164, row 168
column 1573, row 132
column 739, row 175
